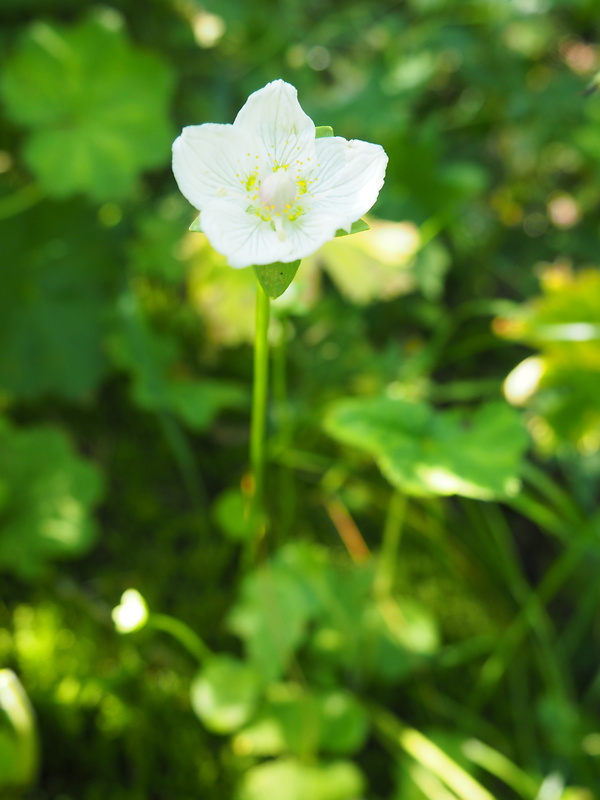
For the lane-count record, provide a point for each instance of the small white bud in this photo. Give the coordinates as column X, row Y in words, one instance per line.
column 132, row 613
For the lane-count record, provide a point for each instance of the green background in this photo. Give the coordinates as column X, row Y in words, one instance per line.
column 422, row 621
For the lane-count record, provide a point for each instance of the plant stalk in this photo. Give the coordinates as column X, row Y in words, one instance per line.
column 186, row 637
column 259, row 410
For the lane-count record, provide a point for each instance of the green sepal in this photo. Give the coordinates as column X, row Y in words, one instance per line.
column 195, row 226
column 323, row 131
column 275, row 278
column 357, row 227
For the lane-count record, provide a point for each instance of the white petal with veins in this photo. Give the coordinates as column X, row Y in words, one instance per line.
column 266, row 189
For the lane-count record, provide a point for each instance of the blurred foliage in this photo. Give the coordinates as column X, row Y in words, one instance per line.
column 47, row 495
column 73, row 87
column 19, row 743
column 422, row 622
column 422, row 452
column 58, row 289
column 561, row 384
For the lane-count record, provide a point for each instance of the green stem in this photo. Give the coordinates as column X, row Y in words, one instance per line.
column 259, row 408
column 183, row 633
column 388, row 556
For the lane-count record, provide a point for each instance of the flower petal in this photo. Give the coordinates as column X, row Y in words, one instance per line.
column 274, row 118
column 211, row 161
column 245, row 239
column 349, row 177
column 266, row 189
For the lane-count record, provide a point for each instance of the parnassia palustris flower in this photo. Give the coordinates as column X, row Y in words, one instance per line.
column 267, row 190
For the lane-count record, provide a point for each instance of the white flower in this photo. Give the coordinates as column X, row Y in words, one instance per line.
column 266, row 189
column 132, row 613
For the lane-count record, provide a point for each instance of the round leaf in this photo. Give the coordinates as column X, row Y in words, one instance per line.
column 271, row 617
column 423, row 451
column 344, row 722
column 288, row 779
column 224, row 694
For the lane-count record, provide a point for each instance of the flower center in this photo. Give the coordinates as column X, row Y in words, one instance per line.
column 277, row 191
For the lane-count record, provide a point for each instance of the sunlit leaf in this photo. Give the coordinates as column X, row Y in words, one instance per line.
column 374, row 266
column 225, row 693
column 560, row 385
column 288, row 722
column 288, row 779
column 408, row 624
column 297, row 721
column 423, row 451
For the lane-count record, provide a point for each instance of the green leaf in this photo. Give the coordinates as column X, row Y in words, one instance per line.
column 195, row 226
column 344, row 722
column 561, row 384
column 422, row 451
column 96, row 107
column 225, row 693
column 377, row 266
column 408, row 624
column 230, row 512
column 297, row 721
column 51, row 494
column 54, row 303
column 357, row 227
column 323, row 131
column 275, row 278
column 288, row 779
column 287, row 723
column 271, row 617
column 198, row 402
